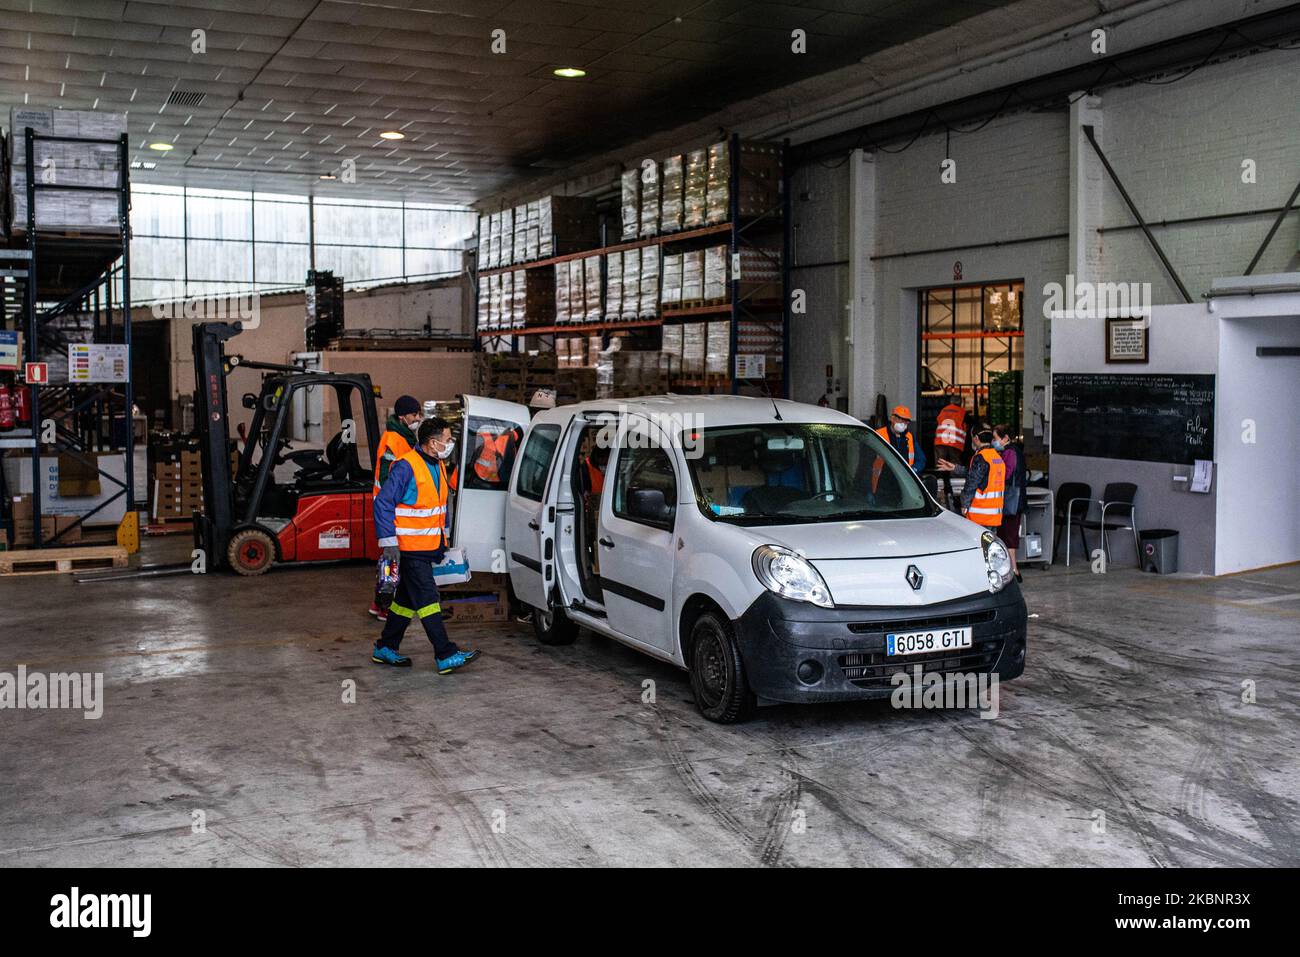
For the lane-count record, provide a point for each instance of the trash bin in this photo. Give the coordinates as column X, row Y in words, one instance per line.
column 1159, row 550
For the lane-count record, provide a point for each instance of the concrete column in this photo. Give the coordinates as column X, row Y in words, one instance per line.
column 860, row 319
column 1087, row 180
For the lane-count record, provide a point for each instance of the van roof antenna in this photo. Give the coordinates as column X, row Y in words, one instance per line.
column 768, row 392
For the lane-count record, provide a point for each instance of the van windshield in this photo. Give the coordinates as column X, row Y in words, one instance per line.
column 782, row 474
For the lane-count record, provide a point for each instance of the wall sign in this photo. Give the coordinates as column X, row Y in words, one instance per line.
column 1127, row 340
column 96, row 362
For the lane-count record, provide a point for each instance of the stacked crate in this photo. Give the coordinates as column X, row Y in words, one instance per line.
column 513, row 377
column 177, row 485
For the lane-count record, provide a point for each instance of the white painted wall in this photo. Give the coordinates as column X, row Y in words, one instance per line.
column 1258, row 482
column 1183, row 339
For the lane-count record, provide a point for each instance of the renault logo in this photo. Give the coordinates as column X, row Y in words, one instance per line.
column 915, row 578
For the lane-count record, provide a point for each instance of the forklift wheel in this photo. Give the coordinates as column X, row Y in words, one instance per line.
column 251, row 552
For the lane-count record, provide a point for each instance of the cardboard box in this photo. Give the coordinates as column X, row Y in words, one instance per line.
column 466, row 606
column 51, row 525
column 671, row 293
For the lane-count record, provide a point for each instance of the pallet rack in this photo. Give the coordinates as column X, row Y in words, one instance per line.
column 772, row 312
column 68, row 273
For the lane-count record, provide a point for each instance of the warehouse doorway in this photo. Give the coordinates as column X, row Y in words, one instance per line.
column 971, row 351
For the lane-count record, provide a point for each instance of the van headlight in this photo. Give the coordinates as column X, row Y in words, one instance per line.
column 790, row 575
column 996, row 560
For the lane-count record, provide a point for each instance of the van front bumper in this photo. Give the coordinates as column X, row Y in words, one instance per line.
column 794, row 651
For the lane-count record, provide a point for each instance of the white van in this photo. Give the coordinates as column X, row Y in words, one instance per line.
column 779, row 552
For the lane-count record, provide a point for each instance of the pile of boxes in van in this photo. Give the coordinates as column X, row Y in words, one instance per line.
column 65, row 164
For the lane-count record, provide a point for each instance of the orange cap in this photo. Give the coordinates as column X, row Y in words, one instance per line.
column 903, row 412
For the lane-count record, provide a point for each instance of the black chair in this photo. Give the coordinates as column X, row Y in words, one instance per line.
column 1073, row 499
column 1117, row 499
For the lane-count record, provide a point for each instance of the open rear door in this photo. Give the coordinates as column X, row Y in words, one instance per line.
column 491, row 434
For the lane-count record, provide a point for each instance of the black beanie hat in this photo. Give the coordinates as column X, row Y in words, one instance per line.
column 406, row 406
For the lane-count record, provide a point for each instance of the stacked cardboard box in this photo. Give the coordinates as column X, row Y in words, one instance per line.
column 177, row 485
column 694, row 348
column 484, row 241
column 591, row 281
column 672, row 345
column 69, row 164
column 536, row 293
column 484, row 302
column 577, row 289
column 672, row 197
column 613, row 287
column 696, row 188
column 715, row 274
column 717, row 349
column 649, row 198
column 494, row 240
column 631, row 284
column 649, row 304
column 692, row 277
column 671, row 294
column 630, row 207
column 533, row 231
column 718, row 196
column 760, row 273
column 631, row 372
column 64, row 526
column 760, row 178
column 566, row 224
column 513, row 377
column 562, row 312
column 519, row 253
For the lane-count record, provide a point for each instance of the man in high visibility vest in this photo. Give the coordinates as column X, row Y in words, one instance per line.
column 411, row 522
column 397, row 440
column 494, row 454
column 986, row 482
column 949, row 442
column 898, row 435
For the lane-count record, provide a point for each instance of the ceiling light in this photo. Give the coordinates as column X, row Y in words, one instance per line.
column 392, row 135
column 328, row 176
column 569, row 72
column 161, row 147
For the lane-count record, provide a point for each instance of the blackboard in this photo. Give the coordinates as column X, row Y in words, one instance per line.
column 1143, row 418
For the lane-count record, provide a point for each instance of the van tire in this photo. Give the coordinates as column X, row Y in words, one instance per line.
column 718, row 681
column 554, row 627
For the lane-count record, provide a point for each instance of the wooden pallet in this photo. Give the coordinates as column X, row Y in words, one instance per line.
column 48, row 561
column 169, row 525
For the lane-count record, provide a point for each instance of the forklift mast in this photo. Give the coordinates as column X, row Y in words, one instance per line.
column 212, row 529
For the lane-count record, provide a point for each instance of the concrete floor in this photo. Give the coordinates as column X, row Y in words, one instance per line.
column 224, row 696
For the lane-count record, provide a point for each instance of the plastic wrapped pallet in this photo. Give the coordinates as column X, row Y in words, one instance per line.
column 671, row 197
column 591, row 280
column 484, row 302
column 630, row 207
column 613, row 286
column 520, row 299
column 520, row 236
column 692, row 276
column 718, row 195
column 717, row 348
column 672, row 344
column 533, row 231
column 562, row 314
column 696, row 180
column 566, row 224
column 507, row 299
column 649, row 198
column 694, row 347
column 631, row 284
column 71, row 164
column 494, row 301
column 507, row 236
column 494, row 240
column 577, row 290
column 482, row 242
column 715, row 273
column 671, row 294
column 649, row 305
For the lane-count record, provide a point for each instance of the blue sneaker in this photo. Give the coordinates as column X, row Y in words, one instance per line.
column 387, row 656
column 458, row 660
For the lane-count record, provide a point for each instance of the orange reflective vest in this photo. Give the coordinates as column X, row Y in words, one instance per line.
column 952, row 427
column 392, row 446
column 596, row 477
column 491, row 453
column 986, row 506
column 421, row 526
column 879, row 467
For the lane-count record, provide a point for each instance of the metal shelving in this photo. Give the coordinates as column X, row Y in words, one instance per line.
column 748, row 233
column 62, row 274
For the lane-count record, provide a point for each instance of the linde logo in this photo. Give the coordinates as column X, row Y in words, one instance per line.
column 37, row 691
column 1096, row 300
column 76, row 910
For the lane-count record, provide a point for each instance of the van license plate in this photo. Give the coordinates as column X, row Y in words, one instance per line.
column 925, row 642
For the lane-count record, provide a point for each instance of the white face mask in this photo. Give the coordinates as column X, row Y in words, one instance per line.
column 446, row 453
column 900, row 427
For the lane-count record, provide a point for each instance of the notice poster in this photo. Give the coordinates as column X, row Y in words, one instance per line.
column 9, row 350
column 751, row 366
column 95, row 362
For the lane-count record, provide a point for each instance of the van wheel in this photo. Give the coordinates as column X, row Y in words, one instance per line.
column 717, row 672
column 553, row 627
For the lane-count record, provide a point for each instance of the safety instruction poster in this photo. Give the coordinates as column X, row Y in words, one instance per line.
column 97, row 362
column 8, row 349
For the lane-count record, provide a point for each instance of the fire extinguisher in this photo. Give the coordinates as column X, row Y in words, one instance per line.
column 8, row 419
column 24, row 406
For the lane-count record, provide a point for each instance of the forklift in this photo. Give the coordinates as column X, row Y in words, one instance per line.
column 278, row 503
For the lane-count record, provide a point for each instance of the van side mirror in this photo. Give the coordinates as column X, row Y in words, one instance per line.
column 249, row 400
column 648, row 504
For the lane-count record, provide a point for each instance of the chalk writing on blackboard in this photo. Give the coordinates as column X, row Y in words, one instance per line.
column 1148, row 418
